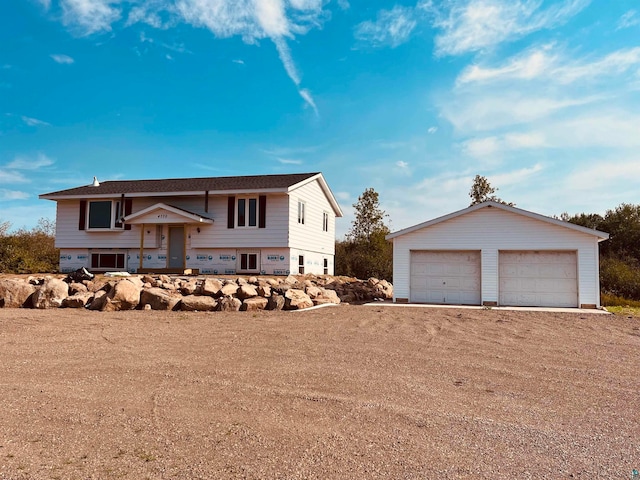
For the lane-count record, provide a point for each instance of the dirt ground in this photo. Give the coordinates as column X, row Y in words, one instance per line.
column 338, row 392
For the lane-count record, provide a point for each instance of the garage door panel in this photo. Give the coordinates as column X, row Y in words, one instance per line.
column 538, row 279
column 445, row 277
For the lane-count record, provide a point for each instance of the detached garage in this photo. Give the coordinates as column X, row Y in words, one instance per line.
column 493, row 254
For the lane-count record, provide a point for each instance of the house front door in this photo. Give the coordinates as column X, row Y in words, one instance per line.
column 176, row 247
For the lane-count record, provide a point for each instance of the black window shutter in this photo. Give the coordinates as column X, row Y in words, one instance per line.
column 83, row 215
column 128, row 206
column 262, row 211
column 231, row 211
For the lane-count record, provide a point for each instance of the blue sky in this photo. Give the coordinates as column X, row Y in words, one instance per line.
column 412, row 98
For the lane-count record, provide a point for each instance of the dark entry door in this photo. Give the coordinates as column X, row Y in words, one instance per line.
column 176, row 247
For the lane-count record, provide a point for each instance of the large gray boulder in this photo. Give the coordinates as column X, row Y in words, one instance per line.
column 159, row 299
column 50, row 294
column 295, row 299
column 15, row 293
column 200, row 303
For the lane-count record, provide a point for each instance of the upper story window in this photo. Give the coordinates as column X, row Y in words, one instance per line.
column 325, row 222
column 104, row 214
column 301, row 212
column 247, row 212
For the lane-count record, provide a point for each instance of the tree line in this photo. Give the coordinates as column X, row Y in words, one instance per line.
column 29, row 251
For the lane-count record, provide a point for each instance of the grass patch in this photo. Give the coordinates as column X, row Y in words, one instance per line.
column 626, row 311
column 620, row 306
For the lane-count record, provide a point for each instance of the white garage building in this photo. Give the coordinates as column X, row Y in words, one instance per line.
column 496, row 255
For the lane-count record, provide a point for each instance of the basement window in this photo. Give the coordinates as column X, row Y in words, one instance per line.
column 104, row 261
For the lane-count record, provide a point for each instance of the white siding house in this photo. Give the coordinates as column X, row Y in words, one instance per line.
column 493, row 254
column 218, row 225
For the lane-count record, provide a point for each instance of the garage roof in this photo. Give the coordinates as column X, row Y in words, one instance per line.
column 490, row 204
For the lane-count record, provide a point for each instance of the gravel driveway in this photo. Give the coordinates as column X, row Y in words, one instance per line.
column 342, row 392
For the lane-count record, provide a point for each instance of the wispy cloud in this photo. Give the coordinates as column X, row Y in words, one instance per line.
column 63, row 59
column 391, row 27
column 543, row 63
column 252, row 20
column 33, row 122
column 90, row 16
column 9, row 177
column 629, row 19
column 432, row 130
column 238, row 61
column 473, row 25
column 46, row 4
column 7, row 195
column 26, row 163
column 289, row 161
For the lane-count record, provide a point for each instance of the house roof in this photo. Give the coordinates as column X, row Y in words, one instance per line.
column 536, row 216
column 173, row 185
column 284, row 183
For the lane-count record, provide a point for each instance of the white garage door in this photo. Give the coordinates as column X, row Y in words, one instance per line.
column 538, row 279
column 445, row 277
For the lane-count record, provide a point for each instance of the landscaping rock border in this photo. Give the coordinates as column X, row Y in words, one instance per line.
column 163, row 292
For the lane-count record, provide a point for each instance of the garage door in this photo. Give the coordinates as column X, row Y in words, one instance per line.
column 544, row 279
column 445, row 277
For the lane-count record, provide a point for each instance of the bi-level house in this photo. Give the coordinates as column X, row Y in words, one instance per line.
column 261, row 224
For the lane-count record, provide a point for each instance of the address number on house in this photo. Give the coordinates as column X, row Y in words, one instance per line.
column 163, row 215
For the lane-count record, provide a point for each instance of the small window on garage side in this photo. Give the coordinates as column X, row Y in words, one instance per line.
column 301, row 212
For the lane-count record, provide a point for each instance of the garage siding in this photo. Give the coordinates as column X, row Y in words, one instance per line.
column 491, row 229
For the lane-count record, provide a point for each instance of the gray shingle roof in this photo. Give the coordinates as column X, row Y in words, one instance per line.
column 251, row 182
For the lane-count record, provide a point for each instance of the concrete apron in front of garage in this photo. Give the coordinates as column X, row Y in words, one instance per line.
column 478, row 307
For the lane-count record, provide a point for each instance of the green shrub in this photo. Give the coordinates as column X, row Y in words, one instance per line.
column 620, row 277
column 29, row 251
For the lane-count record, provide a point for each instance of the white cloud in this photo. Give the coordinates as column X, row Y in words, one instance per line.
column 168, row 57
column 253, row 20
column 90, row 16
column 25, row 163
column 392, row 27
column 402, row 165
column 289, row 161
column 542, row 63
column 629, row 19
column 46, row 4
column 473, row 25
column 12, row 195
column 494, row 146
column 9, row 177
column 432, row 130
column 238, row 61
column 62, row 59
column 344, row 196
column 33, row 122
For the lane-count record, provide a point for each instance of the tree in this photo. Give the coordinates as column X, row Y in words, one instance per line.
column 482, row 191
column 28, row 251
column 365, row 252
column 369, row 217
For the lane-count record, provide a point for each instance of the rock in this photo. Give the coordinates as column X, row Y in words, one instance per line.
column 124, row 296
column 246, row 291
column 164, row 278
column 229, row 304
column 50, row 294
column 148, row 279
column 212, row 287
column 322, row 301
column 99, row 300
column 159, row 299
column 313, row 291
column 137, row 281
column 79, row 300
column 76, row 287
column 296, row 300
column 264, row 291
column 254, row 303
column 330, row 295
column 200, row 303
column 291, row 280
column 275, row 302
column 229, row 289
column 273, row 282
column 15, row 293
column 189, row 288
column 253, row 280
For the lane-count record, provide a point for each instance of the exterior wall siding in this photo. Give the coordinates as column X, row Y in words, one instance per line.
column 313, row 262
column 310, row 236
column 492, row 230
